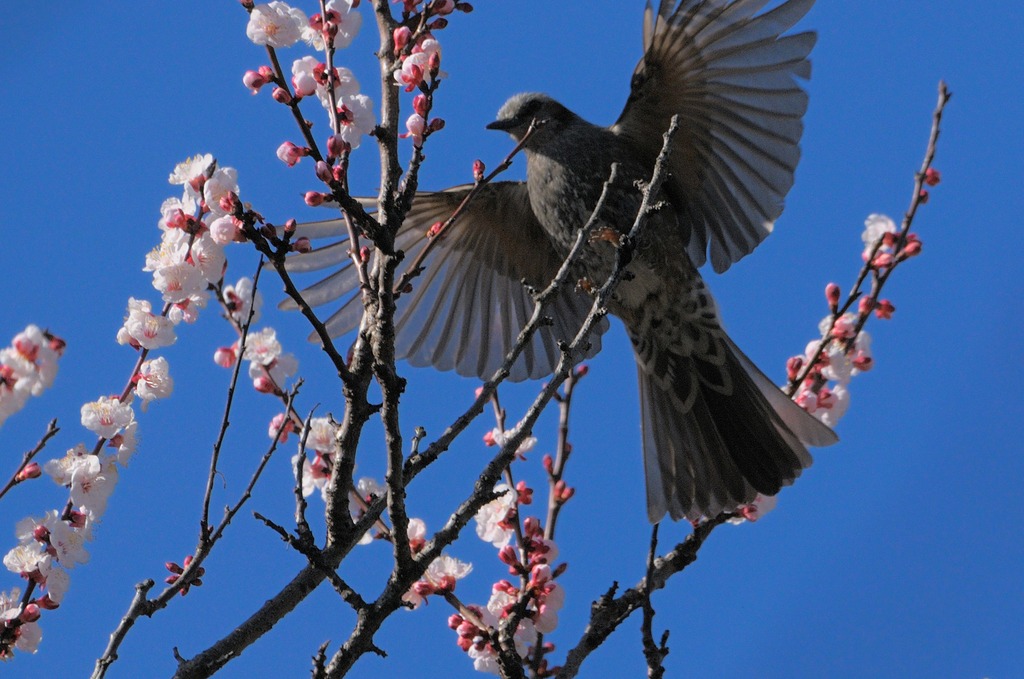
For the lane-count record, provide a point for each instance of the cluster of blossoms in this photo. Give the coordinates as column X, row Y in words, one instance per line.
column 440, row 576
column 322, row 440
column 189, row 260
column 419, row 61
column 532, row 563
column 27, row 368
column 278, row 25
column 844, row 350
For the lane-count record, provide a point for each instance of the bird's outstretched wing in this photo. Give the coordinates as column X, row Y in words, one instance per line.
column 466, row 309
column 730, row 75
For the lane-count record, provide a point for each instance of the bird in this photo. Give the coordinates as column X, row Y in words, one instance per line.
column 716, row 432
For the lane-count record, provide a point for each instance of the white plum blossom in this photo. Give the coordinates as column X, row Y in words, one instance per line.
column 179, row 282
column 25, row 559
column 875, row 227
column 499, row 437
column 154, row 380
column 188, row 310
column 305, row 80
column 492, row 515
column 56, row 582
column 275, row 24
column 27, row 368
column 417, row 530
column 191, row 169
column 314, row 477
column 106, row 416
column 240, row 297
column 144, row 328
column 208, row 257
column 349, row 22
column 323, row 436
column 61, row 469
column 126, row 442
column 838, row 405
column 441, row 575
column 356, row 119
column 262, row 347
column 29, row 633
column 224, row 181
column 69, row 544
column 279, row 370
column 92, row 483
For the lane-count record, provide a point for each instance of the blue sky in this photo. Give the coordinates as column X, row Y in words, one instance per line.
column 897, row 554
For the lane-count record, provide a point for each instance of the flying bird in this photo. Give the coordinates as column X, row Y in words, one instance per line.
column 715, row 430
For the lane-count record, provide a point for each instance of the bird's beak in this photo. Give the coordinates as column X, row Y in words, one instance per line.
column 506, row 124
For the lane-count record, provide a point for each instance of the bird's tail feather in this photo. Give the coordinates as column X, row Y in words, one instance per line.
column 715, row 434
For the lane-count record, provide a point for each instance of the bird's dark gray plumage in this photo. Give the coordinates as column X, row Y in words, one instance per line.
column 715, row 430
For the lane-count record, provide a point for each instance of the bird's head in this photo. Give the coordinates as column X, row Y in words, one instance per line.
column 519, row 112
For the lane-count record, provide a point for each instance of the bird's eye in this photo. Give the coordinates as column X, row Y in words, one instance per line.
column 531, row 109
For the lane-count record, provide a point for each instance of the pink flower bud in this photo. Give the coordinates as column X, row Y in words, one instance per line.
column 254, row 81
column 264, row 385
column 478, row 170
column 30, row 613
column 336, row 146
column 173, row 567
column 46, row 603
column 932, row 177
column 77, row 519
column 41, row 534
column 314, row 198
column 290, row 154
column 436, row 124
column 923, row 197
column 865, row 305
column 423, row 588
column 882, row 261
column 364, row 254
column 324, row 172
column 489, row 439
column 302, row 245
column 508, row 556
column 911, row 249
column 434, row 229
column 434, row 63
column 884, row 309
column 832, row 293
column 549, row 464
column 454, row 620
column 228, row 202
column 525, row 494
column 863, row 362
column 281, row 95
column 421, row 104
column 438, row 24
column 531, row 525
column 793, row 367
column 225, row 357
column 401, row 36
column 31, row 471
column 582, row 371
column 289, row 227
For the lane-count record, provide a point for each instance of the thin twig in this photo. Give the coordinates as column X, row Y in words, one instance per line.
column 51, row 431
column 225, row 421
